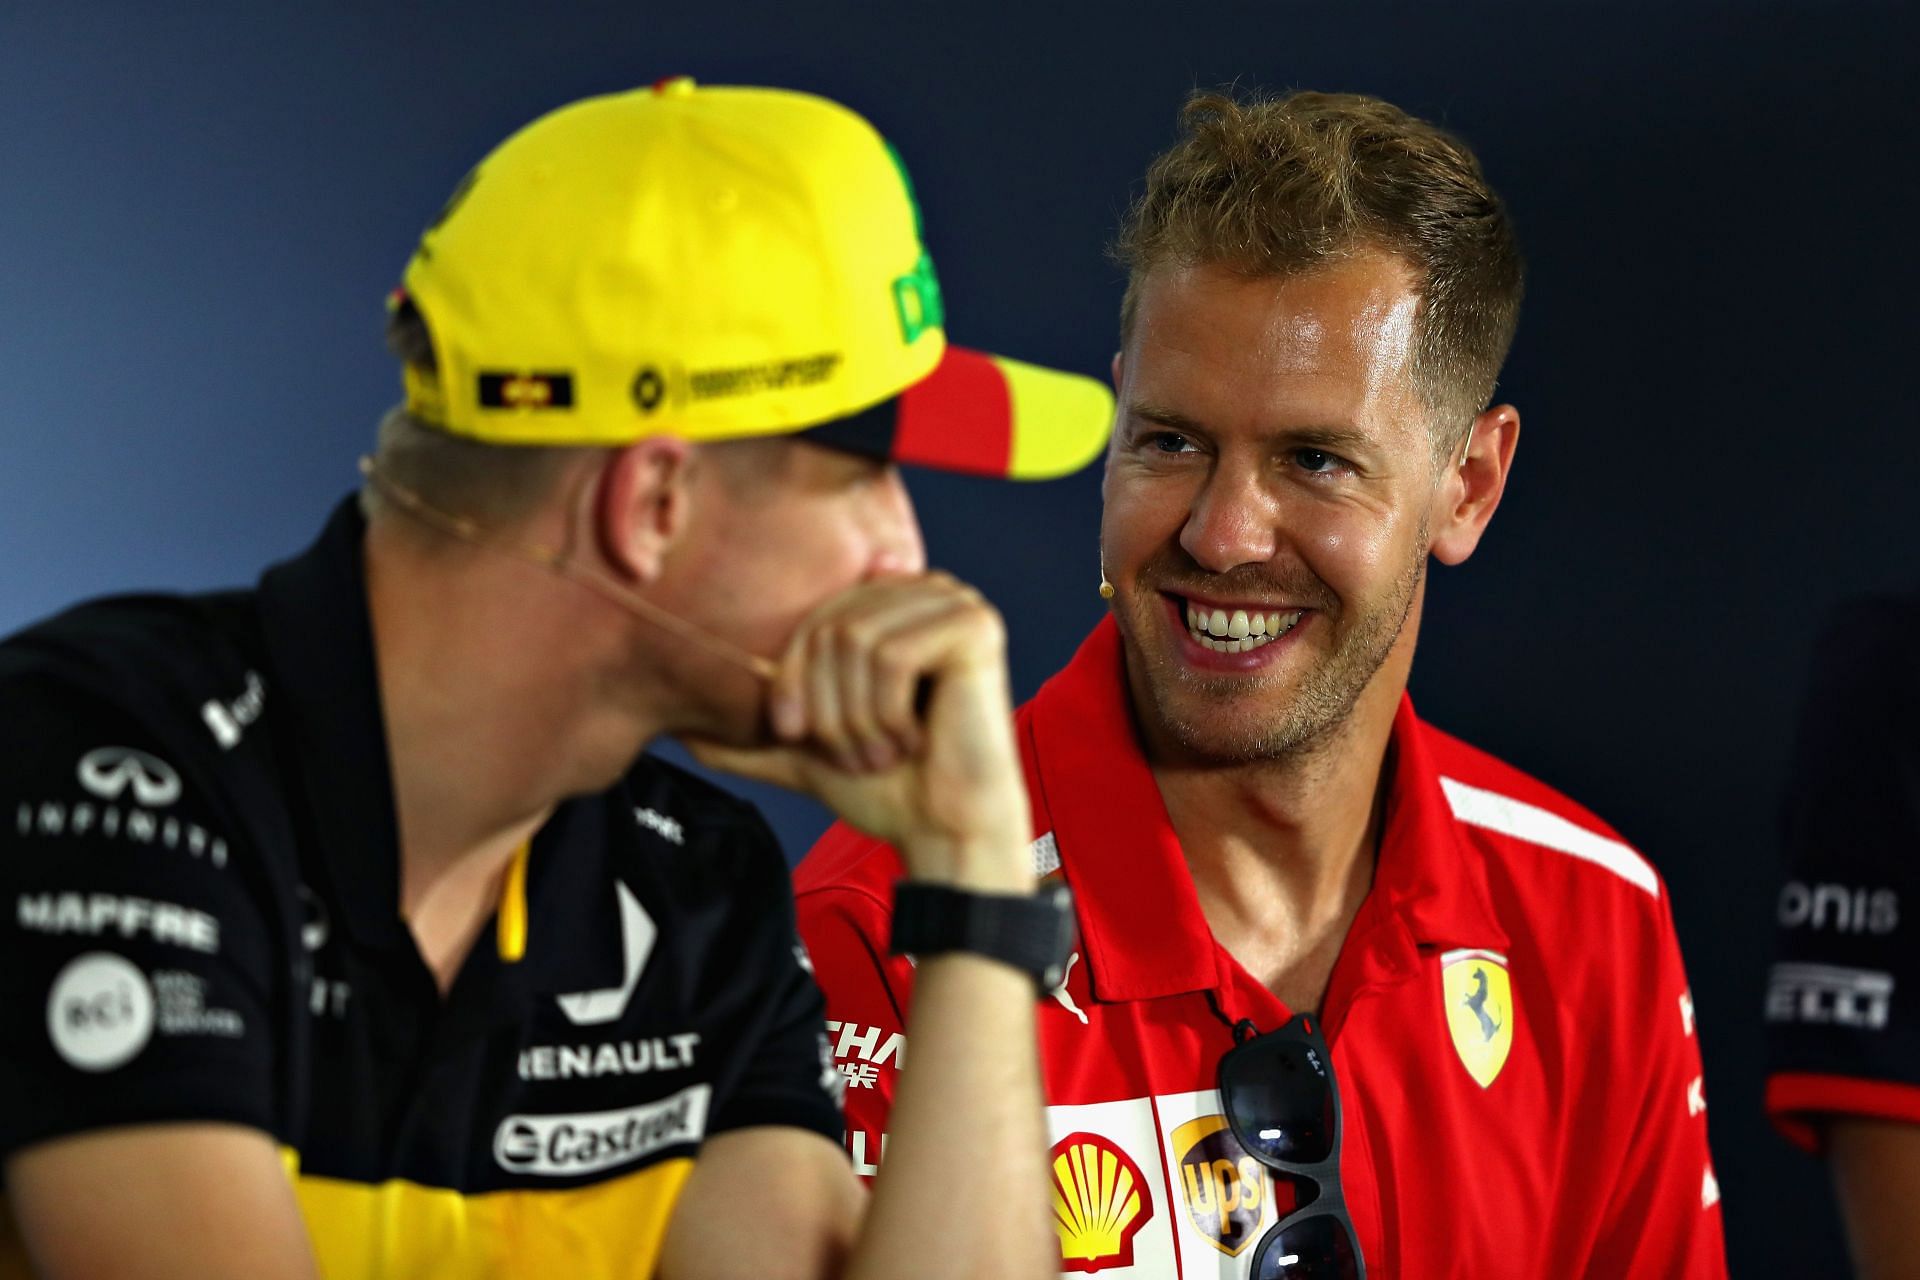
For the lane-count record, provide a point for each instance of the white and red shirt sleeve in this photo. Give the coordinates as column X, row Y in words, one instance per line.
column 1843, row 994
column 1662, row 1214
column 1589, row 921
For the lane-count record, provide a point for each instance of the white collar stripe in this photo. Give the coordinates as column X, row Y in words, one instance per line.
column 1531, row 823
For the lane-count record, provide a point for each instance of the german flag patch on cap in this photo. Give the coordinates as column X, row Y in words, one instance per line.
column 550, row 390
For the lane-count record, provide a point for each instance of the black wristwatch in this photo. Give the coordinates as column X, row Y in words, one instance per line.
column 1033, row 932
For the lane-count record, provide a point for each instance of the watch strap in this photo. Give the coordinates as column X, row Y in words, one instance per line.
column 1033, row 932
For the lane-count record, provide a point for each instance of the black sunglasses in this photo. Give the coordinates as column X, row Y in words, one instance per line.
column 1284, row 1109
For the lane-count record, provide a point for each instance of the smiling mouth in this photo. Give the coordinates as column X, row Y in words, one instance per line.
column 1238, row 630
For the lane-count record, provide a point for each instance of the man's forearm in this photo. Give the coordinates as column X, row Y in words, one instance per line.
column 159, row 1202
column 963, row 1191
column 892, row 708
column 1876, row 1174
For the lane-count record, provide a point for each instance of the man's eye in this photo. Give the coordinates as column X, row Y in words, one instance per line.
column 1169, row 442
column 1318, row 461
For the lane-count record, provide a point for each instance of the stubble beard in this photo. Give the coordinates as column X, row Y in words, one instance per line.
column 1216, row 720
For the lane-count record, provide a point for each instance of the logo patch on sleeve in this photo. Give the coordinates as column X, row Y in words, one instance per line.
column 100, row 1011
column 1479, row 1004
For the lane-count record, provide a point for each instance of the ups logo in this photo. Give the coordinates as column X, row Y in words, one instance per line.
column 1224, row 1188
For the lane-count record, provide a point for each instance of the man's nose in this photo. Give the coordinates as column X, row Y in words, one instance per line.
column 1232, row 522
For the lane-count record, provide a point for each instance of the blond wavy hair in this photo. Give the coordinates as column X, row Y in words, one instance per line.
column 1284, row 186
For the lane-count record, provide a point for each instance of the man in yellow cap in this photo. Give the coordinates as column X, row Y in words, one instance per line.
column 346, row 931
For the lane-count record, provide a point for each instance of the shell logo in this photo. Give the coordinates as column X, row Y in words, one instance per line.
column 1100, row 1202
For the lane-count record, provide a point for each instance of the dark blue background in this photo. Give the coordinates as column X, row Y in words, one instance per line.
column 199, row 216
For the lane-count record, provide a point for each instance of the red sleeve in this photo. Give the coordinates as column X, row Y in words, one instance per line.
column 1796, row 1098
column 846, row 930
column 1664, row 1217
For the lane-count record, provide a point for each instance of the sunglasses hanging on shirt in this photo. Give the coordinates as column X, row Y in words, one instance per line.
column 1283, row 1107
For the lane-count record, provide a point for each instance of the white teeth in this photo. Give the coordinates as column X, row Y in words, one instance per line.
column 1239, row 631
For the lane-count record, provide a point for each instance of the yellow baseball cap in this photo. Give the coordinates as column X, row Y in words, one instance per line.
column 716, row 263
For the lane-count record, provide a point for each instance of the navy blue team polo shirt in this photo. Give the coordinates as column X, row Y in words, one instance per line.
column 199, row 921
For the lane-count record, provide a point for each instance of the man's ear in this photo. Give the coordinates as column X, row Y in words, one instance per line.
column 642, row 505
column 1467, row 494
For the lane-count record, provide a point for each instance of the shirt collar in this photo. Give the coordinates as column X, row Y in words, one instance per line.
column 1140, row 919
column 1430, row 874
column 331, row 729
column 319, row 635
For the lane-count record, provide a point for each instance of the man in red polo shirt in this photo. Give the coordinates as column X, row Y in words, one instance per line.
column 1255, row 823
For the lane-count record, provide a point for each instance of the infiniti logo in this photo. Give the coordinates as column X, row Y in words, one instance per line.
column 109, row 771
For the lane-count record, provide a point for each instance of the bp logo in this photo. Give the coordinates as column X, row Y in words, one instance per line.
column 1224, row 1187
column 1479, row 1005
column 1100, row 1202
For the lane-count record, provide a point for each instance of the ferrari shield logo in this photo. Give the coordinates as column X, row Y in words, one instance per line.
column 1479, row 1004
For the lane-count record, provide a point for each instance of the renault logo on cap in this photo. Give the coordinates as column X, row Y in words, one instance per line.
column 649, row 389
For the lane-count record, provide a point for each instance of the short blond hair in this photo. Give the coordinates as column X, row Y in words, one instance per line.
column 1287, row 186
column 490, row 483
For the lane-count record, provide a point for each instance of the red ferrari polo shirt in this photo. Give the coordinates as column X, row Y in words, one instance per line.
column 1509, row 1020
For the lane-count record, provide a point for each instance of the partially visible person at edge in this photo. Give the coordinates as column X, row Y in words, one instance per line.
column 346, row 931
column 1270, row 851
column 1844, row 1054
